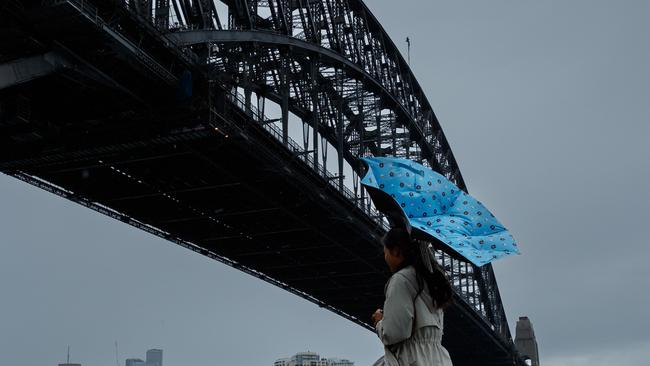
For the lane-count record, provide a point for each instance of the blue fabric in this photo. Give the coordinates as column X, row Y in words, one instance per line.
column 439, row 208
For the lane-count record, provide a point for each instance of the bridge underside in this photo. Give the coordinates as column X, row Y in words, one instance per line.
column 115, row 139
column 265, row 211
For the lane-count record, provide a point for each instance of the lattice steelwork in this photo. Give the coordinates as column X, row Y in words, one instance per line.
column 373, row 107
column 262, row 70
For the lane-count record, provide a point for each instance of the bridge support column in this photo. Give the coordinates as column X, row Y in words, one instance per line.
column 162, row 14
column 362, row 144
column 393, row 132
column 378, row 122
column 247, row 84
column 315, row 108
column 339, row 126
column 284, row 81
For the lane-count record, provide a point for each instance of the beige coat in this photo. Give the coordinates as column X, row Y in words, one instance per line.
column 404, row 345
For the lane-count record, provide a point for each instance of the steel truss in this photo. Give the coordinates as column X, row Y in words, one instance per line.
column 331, row 64
column 328, row 63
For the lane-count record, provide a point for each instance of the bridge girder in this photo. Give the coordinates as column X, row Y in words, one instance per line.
column 366, row 95
column 353, row 35
column 341, row 85
column 260, row 57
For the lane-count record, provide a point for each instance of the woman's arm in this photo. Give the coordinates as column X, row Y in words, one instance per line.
column 398, row 311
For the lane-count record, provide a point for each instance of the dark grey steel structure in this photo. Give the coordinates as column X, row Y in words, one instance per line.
column 176, row 116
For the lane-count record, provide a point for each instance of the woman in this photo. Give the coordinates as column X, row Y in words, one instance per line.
column 411, row 323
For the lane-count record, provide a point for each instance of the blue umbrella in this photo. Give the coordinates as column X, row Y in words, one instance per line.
column 428, row 203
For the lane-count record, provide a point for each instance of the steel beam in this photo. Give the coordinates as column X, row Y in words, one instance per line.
column 30, row 68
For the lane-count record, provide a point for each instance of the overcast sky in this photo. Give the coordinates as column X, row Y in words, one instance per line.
column 546, row 105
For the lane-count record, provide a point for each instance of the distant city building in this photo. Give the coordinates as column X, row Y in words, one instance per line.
column 154, row 357
column 311, row 359
column 306, row 359
column 339, row 362
column 135, row 362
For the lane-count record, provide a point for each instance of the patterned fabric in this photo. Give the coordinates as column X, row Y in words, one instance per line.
column 437, row 207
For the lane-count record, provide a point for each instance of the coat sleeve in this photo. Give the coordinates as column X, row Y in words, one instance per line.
column 398, row 311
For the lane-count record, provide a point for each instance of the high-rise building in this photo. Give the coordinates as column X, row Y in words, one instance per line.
column 154, row 357
column 134, row 362
column 339, row 362
column 311, row 359
column 306, row 359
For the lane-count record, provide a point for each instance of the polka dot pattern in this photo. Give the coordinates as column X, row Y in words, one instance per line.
column 439, row 208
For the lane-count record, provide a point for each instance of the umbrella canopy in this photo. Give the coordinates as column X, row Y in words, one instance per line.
column 430, row 206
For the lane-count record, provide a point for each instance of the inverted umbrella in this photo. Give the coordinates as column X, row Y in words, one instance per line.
column 429, row 205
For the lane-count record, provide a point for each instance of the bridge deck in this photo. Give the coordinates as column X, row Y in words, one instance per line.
column 244, row 198
column 224, row 195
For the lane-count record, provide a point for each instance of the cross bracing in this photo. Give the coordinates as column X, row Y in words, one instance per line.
column 97, row 126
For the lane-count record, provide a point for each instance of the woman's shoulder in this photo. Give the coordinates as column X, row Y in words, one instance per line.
column 404, row 277
column 407, row 272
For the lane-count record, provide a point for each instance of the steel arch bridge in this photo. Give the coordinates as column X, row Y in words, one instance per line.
column 180, row 117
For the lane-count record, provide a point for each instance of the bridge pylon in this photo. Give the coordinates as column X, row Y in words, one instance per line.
column 525, row 340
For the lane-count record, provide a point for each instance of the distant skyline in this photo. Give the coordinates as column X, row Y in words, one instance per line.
column 546, row 106
column 311, row 358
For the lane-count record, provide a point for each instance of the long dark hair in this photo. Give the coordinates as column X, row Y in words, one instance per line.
column 438, row 284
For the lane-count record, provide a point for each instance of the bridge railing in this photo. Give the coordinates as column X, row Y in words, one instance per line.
column 299, row 152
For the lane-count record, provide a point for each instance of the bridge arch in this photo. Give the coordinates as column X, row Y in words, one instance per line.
column 309, row 55
column 345, row 35
column 272, row 49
